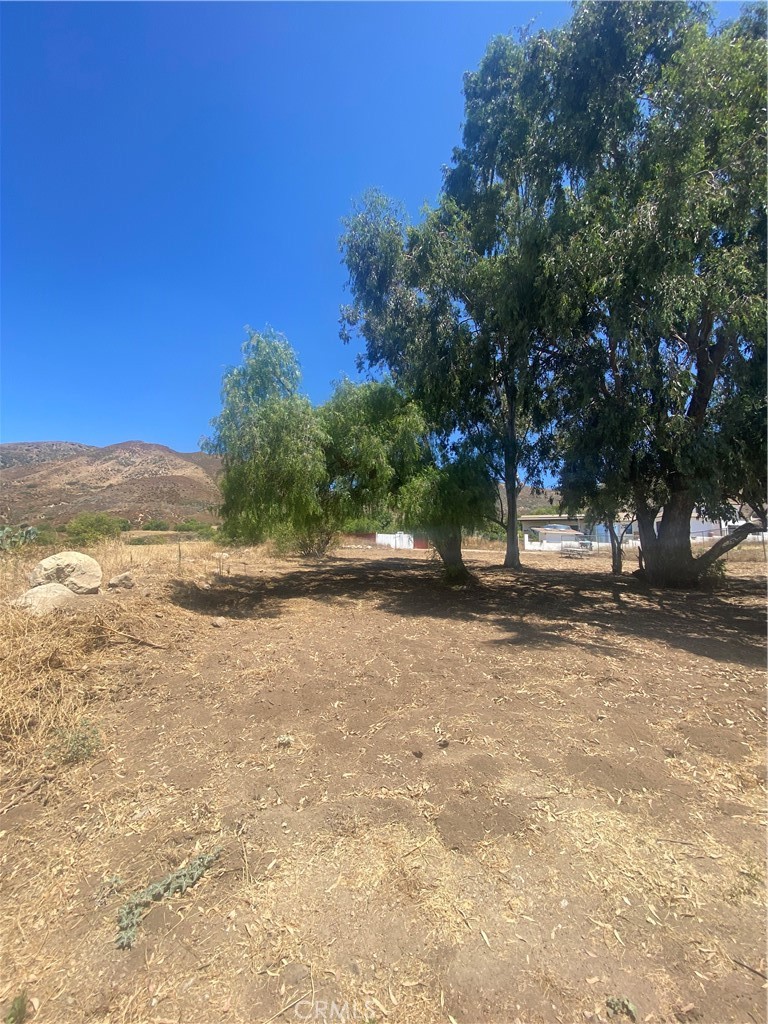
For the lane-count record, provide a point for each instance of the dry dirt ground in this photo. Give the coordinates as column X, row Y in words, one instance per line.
column 535, row 798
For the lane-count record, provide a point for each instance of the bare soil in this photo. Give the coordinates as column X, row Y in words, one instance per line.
column 539, row 797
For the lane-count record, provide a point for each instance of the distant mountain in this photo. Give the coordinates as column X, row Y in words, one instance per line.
column 54, row 481
column 533, row 502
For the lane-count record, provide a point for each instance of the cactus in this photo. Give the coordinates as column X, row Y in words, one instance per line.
column 16, row 536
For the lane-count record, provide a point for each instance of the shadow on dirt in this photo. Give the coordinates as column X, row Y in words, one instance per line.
column 533, row 608
column 234, row 597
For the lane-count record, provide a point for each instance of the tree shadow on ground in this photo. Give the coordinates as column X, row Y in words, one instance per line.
column 533, row 608
column 232, row 597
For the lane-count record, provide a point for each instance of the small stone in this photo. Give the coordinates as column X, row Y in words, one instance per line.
column 442, row 742
column 219, row 622
column 123, row 579
column 417, row 753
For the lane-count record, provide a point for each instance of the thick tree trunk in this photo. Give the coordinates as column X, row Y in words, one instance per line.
column 666, row 546
column 617, row 555
column 447, row 542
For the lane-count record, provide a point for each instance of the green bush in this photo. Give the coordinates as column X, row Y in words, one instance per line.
column 203, row 530
column 156, row 524
column 46, row 535
column 76, row 744
column 90, row 527
column 146, row 540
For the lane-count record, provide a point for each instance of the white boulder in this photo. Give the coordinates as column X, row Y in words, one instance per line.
column 81, row 573
column 48, row 597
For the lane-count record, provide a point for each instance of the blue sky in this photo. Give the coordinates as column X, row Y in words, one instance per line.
column 173, row 171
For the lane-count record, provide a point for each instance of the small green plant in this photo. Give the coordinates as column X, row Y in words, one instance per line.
column 155, row 524
column 133, row 911
column 71, row 746
column 714, row 574
column 619, row 1006
column 147, row 540
column 18, row 1011
column 91, row 527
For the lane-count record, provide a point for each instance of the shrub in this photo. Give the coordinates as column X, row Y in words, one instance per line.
column 156, row 524
column 76, row 744
column 146, row 540
column 46, row 535
column 90, row 527
column 203, row 530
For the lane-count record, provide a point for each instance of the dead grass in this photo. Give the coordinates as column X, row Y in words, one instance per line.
column 520, row 869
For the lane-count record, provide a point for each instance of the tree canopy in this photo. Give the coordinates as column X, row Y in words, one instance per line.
column 588, row 297
column 301, row 474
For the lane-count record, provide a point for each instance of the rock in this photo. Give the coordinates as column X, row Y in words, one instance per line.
column 81, row 573
column 124, row 579
column 48, row 597
column 219, row 622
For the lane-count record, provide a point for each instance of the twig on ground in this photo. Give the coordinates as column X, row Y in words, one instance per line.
column 746, row 967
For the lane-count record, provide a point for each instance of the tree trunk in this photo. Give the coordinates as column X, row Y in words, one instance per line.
column 447, row 542
column 617, row 555
column 512, row 556
column 666, row 546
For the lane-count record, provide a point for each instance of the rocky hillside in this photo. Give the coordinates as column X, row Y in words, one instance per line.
column 54, row 481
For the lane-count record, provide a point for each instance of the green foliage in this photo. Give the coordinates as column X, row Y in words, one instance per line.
column 17, row 1014
column 176, row 883
column 17, row 536
column 456, row 495
column 299, row 474
column 620, row 1006
column 156, row 524
column 149, row 539
column 663, row 399
column 269, row 370
column 195, row 526
column 90, row 527
column 46, row 535
column 75, row 744
column 589, row 293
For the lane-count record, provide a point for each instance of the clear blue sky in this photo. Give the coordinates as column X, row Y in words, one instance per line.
column 173, row 171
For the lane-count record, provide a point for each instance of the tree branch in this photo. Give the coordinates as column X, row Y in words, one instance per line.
column 726, row 544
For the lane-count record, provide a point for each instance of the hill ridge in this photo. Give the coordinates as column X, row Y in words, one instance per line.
column 53, row 481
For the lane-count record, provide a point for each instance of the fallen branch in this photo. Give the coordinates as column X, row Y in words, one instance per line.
column 27, row 792
column 130, row 636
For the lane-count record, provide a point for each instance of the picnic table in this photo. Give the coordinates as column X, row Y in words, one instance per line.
column 576, row 549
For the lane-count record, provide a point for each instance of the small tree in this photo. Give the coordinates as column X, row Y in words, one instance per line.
column 299, row 473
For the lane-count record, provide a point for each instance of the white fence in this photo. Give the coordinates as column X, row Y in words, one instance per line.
column 394, row 540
